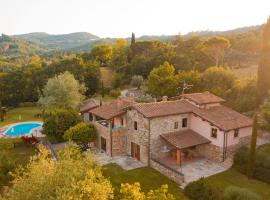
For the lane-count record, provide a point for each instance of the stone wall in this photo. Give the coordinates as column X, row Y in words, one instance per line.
column 105, row 133
column 139, row 136
column 233, row 148
column 119, row 137
column 170, row 173
column 211, row 152
column 215, row 153
column 163, row 125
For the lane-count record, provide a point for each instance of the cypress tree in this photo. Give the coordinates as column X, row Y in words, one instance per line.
column 264, row 66
column 252, row 153
column 133, row 38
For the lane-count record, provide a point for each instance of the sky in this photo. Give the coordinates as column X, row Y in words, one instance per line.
column 118, row 18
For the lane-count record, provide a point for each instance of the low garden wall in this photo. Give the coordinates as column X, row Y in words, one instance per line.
column 171, row 173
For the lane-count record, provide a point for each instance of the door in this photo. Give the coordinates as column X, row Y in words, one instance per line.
column 135, row 151
column 103, row 143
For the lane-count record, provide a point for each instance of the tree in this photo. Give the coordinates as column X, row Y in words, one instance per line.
column 73, row 176
column 236, row 193
column 162, row 81
column 192, row 77
column 218, row 80
column 102, row 54
column 264, row 66
column 265, row 113
column 82, row 133
column 137, row 81
column 62, row 91
column 215, row 47
column 133, row 40
column 133, row 192
column 56, row 122
column 252, row 154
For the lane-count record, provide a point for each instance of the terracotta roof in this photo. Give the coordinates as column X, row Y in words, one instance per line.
column 112, row 109
column 184, row 139
column 88, row 105
column 201, row 98
column 163, row 108
column 224, row 117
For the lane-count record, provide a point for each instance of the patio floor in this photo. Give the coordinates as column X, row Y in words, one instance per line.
column 200, row 168
column 127, row 163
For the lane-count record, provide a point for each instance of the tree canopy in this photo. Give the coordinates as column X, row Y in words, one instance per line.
column 62, row 91
column 162, row 81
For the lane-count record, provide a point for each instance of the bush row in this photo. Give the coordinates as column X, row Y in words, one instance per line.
column 262, row 164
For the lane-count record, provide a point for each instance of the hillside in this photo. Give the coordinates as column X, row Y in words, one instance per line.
column 12, row 46
column 59, row 42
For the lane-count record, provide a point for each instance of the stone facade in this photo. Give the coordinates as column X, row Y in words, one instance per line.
column 170, row 173
column 163, row 125
column 211, row 152
column 139, row 136
column 104, row 132
column 119, row 138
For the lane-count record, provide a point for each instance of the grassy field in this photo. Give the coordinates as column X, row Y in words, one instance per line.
column 19, row 155
column 147, row 177
column 233, row 178
column 265, row 148
column 26, row 113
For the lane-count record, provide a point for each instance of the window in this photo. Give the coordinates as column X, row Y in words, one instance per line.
column 175, row 125
column 214, row 133
column 184, row 122
column 122, row 121
column 236, row 133
column 135, row 125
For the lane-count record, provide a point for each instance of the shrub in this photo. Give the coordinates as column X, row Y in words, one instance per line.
column 262, row 164
column 6, row 165
column 200, row 190
column 7, row 144
column 137, row 81
column 236, row 193
column 58, row 121
column 115, row 92
column 147, row 98
column 81, row 133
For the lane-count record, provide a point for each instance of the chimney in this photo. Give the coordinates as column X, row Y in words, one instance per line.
column 131, row 97
column 164, row 98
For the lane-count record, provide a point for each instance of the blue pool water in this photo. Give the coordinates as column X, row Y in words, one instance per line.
column 22, row 128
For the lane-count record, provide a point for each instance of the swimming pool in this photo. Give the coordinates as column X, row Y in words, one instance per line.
column 22, row 128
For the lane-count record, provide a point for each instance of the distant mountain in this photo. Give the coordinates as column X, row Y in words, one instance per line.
column 11, row 46
column 223, row 33
column 59, row 42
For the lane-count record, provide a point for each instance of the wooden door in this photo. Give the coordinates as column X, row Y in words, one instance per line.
column 103, row 143
column 135, row 151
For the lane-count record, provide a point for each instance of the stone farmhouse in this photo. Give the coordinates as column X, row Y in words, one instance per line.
column 172, row 132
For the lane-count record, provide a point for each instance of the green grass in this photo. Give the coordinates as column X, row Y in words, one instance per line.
column 265, row 148
column 19, row 155
column 233, row 178
column 147, row 177
column 27, row 114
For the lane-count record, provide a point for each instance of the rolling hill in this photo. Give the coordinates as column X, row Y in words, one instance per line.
column 59, row 42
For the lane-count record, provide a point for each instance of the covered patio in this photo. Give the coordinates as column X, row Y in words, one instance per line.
column 180, row 148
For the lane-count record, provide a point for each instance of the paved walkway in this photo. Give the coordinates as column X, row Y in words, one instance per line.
column 200, row 168
column 127, row 163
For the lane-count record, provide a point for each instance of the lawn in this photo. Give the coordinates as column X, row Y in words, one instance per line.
column 233, row 178
column 147, row 177
column 265, row 148
column 26, row 113
column 11, row 157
